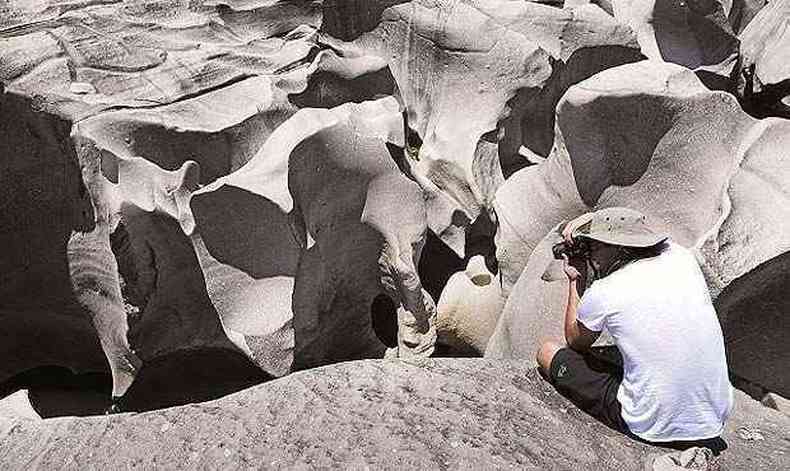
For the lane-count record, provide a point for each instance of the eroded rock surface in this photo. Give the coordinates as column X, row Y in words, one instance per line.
column 717, row 170
column 113, row 114
column 343, row 224
column 455, row 413
column 695, row 34
column 471, row 72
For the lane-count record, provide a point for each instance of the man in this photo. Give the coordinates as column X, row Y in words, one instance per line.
column 650, row 295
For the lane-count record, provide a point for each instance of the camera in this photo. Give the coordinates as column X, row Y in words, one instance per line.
column 577, row 250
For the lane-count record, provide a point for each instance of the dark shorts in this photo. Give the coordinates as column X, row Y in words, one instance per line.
column 590, row 382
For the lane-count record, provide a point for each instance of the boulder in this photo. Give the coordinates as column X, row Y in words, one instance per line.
column 764, row 79
column 468, row 309
column 720, row 176
column 454, row 413
column 478, row 80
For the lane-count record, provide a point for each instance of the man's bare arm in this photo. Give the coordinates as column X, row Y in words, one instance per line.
column 577, row 336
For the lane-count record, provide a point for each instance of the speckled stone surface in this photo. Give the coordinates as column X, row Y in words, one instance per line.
column 375, row 414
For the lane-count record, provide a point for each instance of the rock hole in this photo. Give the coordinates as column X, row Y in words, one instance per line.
column 384, row 318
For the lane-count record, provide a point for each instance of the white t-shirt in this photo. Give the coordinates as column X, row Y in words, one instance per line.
column 659, row 313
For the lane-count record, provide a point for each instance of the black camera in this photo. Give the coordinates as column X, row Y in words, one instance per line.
column 577, row 250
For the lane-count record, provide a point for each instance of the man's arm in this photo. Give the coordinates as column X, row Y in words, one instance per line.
column 577, row 336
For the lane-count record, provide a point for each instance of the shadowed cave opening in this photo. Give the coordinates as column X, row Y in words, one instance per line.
column 177, row 379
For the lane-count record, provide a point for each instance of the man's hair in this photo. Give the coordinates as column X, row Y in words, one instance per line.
column 631, row 254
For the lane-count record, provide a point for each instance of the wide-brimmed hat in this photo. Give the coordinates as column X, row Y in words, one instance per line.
column 620, row 226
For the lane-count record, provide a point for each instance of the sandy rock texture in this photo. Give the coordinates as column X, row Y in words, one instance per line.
column 716, row 187
column 469, row 413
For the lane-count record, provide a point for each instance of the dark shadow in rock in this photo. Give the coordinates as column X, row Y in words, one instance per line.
column 437, row 264
column 181, row 378
column 246, row 231
column 178, row 313
column 348, row 19
column 532, row 120
column 772, row 101
column 56, row 392
column 327, row 90
column 480, row 241
column 753, row 314
column 384, row 317
column 189, row 376
column 170, row 149
column 610, row 154
column 43, row 199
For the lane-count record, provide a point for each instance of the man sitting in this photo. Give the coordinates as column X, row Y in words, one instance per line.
column 650, row 295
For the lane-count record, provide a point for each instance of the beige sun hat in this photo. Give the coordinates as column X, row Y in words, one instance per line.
column 620, row 226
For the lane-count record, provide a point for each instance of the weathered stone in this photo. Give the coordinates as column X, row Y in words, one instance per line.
column 469, row 72
column 742, row 12
column 342, row 223
column 695, row 34
column 468, row 309
column 121, row 110
column 17, row 406
column 454, row 413
column 718, row 172
column 777, row 402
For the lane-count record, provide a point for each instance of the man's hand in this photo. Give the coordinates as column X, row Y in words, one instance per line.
column 570, row 228
column 571, row 271
column 575, row 269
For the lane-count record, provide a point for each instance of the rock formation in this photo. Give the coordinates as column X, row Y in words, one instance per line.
column 454, row 413
column 342, row 222
column 120, row 112
column 471, row 72
column 695, row 34
column 726, row 199
column 469, row 308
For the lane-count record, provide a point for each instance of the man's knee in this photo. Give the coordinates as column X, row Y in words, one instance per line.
column 546, row 353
